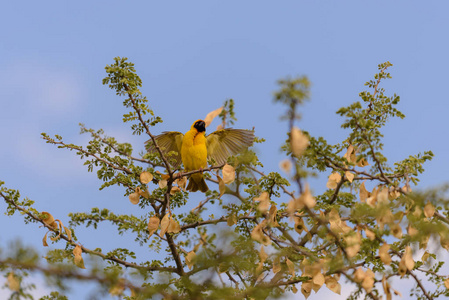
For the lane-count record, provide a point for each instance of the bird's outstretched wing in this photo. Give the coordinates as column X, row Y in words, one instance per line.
column 168, row 141
column 226, row 142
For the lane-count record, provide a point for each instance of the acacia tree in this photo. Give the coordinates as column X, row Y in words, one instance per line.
column 256, row 234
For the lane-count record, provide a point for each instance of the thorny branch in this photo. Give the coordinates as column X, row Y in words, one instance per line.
column 319, row 246
column 86, row 250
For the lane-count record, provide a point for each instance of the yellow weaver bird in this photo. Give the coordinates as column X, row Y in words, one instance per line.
column 194, row 148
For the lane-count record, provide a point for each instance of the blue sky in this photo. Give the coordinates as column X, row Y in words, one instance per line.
column 193, row 56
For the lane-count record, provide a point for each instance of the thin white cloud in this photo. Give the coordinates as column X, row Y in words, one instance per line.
column 44, row 159
column 34, row 97
column 123, row 134
column 41, row 88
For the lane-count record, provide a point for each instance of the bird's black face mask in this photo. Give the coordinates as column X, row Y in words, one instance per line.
column 200, row 126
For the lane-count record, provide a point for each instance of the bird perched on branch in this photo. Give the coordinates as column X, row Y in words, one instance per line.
column 194, row 148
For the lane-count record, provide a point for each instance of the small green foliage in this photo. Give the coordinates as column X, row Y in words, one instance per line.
column 122, row 78
column 54, row 296
column 227, row 115
column 272, row 183
column 293, row 92
column 121, row 253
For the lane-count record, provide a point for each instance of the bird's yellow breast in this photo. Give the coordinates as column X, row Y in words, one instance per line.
column 193, row 150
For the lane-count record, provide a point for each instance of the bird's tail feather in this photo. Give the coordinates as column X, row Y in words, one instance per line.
column 197, row 183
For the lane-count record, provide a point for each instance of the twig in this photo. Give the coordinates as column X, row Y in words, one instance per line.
column 117, row 150
column 147, row 129
column 421, row 286
column 87, row 153
column 200, row 205
column 222, row 219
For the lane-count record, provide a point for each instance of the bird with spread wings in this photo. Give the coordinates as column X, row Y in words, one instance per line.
column 194, row 148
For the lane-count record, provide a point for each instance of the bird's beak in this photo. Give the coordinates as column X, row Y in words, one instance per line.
column 200, row 126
